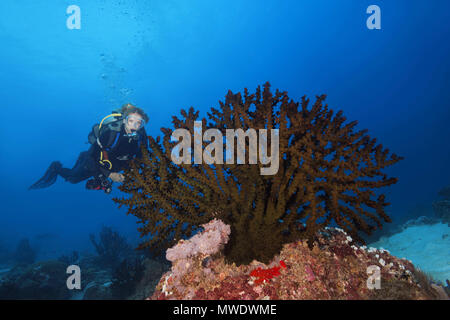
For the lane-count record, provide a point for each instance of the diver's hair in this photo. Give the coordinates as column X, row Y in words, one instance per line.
column 128, row 108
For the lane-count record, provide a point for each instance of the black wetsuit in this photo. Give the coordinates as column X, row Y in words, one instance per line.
column 118, row 148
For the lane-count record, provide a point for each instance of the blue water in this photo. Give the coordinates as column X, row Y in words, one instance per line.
column 166, row 55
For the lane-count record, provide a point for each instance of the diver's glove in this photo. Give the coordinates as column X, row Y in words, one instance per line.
column 116, row 177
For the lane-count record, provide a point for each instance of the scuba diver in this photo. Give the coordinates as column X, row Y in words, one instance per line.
column 115, row 141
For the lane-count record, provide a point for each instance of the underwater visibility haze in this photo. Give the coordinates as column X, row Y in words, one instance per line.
column 66, row 65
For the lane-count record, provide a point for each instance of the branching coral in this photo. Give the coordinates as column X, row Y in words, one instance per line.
column 111, row 248
column 328, row 173
column 267, row 274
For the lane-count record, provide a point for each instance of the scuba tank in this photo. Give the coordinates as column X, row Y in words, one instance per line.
column 112, row 121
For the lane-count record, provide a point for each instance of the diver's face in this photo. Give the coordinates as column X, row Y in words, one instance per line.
column 133, row 122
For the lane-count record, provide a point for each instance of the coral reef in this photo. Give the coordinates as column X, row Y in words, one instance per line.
column 41, row 280
column 263, row 275
column 126, row 276
column 335, row 268
column 424, row 244
column 328, row 174
column 133, row 277
column 201, row 246
column 24, row 253
column 442, row 207
column 214, row 236
column 111, row 248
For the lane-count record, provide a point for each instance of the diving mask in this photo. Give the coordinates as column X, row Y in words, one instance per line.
column 134, row 122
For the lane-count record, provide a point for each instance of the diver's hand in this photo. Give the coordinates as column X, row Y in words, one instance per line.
column 116, row 177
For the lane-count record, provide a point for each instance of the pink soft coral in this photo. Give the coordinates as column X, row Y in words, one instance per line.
column 208, row 242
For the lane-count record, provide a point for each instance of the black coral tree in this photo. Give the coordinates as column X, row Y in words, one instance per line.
column 328, row 175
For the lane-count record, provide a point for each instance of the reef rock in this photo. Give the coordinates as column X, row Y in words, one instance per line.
column 335, row 268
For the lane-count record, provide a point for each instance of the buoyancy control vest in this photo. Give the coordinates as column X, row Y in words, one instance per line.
column 113, row 122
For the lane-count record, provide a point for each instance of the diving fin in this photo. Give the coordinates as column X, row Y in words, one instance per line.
column 49, row 177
